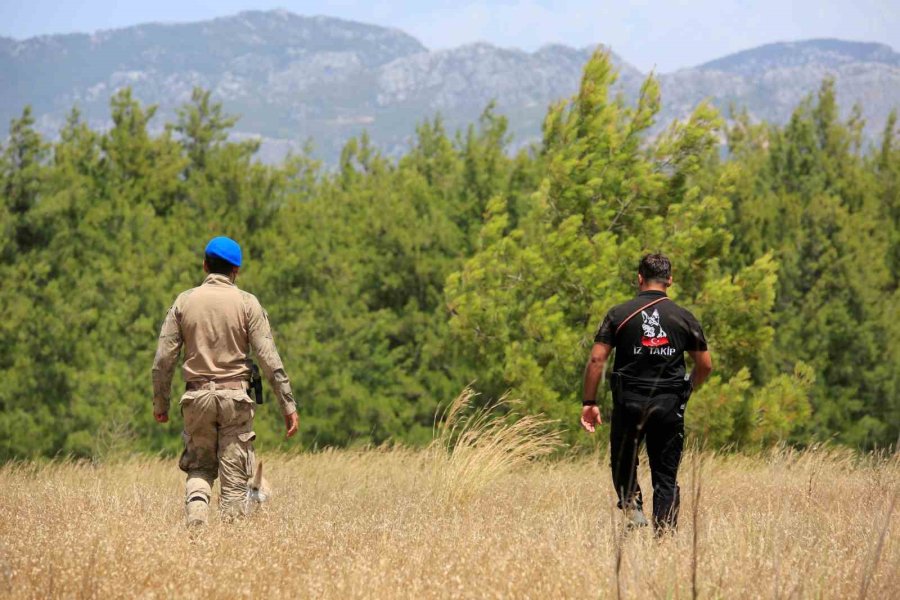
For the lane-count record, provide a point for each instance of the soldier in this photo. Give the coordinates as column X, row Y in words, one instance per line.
column 650, row 391
column 218, row 324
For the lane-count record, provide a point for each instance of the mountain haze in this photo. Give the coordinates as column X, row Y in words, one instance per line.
column 822, row 53
column 771, row 80
column 293, row 78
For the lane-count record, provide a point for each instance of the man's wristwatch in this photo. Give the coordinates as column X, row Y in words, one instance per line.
column 589, row 403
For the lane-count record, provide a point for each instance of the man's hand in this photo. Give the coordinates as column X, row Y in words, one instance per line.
column 161, row 417
column 702, row 367
column 590, row 417
column 593, row 372
column 292, row 422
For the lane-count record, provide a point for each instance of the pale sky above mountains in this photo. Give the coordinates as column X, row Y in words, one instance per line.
column 661, row 34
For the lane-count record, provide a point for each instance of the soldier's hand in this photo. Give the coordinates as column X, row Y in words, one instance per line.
column 590, row 417
column 292, row 422
column 161, row 417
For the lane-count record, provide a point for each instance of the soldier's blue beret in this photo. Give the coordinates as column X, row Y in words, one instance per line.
column 225, row 248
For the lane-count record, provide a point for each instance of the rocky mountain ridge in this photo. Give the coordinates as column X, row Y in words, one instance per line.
column 293, row 78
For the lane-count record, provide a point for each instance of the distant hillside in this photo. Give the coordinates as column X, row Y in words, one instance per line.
column 813, row 53
column 771, row 80
column 294, row 78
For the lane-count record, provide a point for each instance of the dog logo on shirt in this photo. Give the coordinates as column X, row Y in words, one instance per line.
column 654, row 335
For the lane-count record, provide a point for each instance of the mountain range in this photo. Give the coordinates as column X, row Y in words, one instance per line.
column 293, row 79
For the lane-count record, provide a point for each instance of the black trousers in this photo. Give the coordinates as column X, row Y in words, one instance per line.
column 660, row 422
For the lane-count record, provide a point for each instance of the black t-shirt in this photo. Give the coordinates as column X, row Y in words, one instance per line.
column 650, row 347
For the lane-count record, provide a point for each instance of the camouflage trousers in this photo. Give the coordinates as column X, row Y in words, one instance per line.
column 218, row 442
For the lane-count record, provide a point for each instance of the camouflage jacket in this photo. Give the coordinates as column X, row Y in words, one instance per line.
column 217, row 324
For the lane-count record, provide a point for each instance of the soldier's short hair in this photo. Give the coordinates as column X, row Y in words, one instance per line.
column 218, row 265
column 655, row 267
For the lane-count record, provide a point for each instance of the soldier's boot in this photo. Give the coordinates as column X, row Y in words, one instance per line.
column 197, row 513
column 196, row 507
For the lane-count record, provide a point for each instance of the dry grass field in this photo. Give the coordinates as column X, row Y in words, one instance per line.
column 479, row 522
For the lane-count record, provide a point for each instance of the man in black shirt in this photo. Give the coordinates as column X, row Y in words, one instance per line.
column 650, row 334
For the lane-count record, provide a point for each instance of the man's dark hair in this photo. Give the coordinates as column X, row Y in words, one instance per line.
column 218, row 265
column 655, row 267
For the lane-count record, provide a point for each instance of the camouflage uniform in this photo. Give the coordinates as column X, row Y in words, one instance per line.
column 217, row 324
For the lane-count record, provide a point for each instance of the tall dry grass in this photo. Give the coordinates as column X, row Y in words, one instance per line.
column 473, row 446
column 383, row 523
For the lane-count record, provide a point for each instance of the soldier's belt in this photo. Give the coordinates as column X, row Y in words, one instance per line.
column 234, row 384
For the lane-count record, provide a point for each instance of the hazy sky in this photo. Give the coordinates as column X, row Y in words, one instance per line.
column 666, row 34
